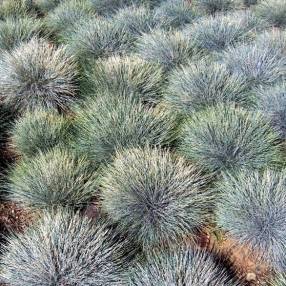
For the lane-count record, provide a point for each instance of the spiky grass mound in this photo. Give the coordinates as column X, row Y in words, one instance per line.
column 272, row 103
column 274, row 39
column 66, row 15
column 155, row 197
column 14, row 31
column 40, row 131
column 127, row 75
column 214, row 6
column 181, row 266
column 203, row 84
column 258, row 63
column 106, row 7
column 135, row 20
column 252, row 210
column 64, row 249
column 175, row 13
column 97, row 38
column 214, row 34
column 110, row 123
column 167, row 48
column 15, row 8
column 57, row 178
column 46, row 5
column 224, row 138
column 37, row 74
column 273, row 11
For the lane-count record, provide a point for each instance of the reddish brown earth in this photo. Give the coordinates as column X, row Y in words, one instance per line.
column 13, row 218
column 246, row 265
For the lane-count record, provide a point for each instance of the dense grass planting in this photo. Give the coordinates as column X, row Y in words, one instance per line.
column 142, row 142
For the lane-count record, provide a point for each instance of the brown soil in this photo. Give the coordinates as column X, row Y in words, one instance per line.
column 13, row 218
column 246, row 264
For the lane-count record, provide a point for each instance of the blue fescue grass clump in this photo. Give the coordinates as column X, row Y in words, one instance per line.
column 181, row 266
column 111, row 122
column 224, row 138
column 214, row 6
column 259, row 64
column 273, row 40
column 154, row 196
column 98, row 38
column 53, row 179
column 16, row 8
column 202, row 84
column 174, row 14
column 46, row 5
column 273, row 11
column 135, row 20
column 37, row 74
column 65, row 249
column 127, row 75
column 65, row 16
column 167, row 48
column 40, row 131
column 107, row 7
column 14, row 31
column 252, row 210
column 216, row 33
column 272, row 103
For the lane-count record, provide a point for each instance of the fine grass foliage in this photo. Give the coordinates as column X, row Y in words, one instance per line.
column 167, row 48
column 181, row 266
column 252, row 210
column 5, row 123
column 203, row 84
column 37, row 74
column 154, row 196
column 223, row 138
column 259, row 64
column 66, row 15
column 216, row 33
column 65, row 249
column 46, row 5
column 107, row 7
column 249, row 3
column 40, row 131
column 135, row 20
column 53, row 179
column 280, row 280
column 14, row 31
column 273, row 11
column 127, row 75
column 214, row 6
column 174, row 14
column 108, row 123
column 272, row 103
column 15, row 8
column 98, row 38
column 274, row 39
